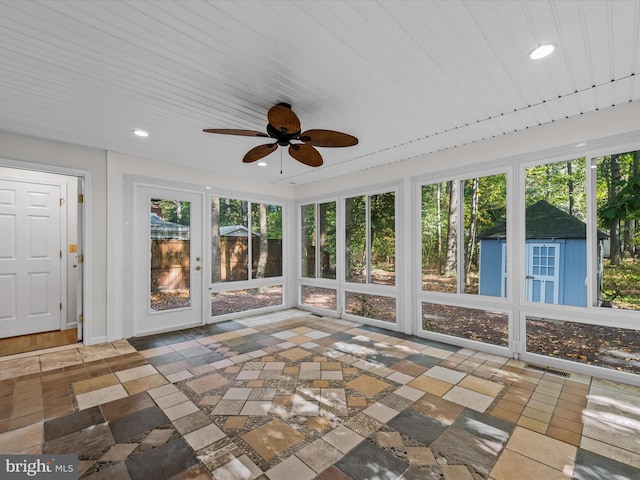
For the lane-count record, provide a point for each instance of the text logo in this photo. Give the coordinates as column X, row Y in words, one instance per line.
column 49, row 467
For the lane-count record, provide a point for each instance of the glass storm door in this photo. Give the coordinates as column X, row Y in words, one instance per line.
column 169, row 264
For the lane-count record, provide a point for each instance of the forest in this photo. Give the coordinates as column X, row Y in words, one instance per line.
column 561, row 184
column 265, row 224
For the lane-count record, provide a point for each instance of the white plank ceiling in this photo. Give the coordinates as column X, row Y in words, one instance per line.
column 406, row 78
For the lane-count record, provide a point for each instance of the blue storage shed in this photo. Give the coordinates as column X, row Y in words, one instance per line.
column 556, row 263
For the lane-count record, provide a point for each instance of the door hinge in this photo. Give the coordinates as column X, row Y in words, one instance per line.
column 60, row 305
column 60, row 253
column 81, row 258
column 80, row 318
column 80, row 198
column 61, row 201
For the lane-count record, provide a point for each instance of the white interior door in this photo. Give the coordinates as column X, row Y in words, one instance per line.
column 542, row 272
column 31, row 287
column 168, row 259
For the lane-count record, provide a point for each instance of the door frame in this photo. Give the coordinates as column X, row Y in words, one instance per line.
column 133, row 263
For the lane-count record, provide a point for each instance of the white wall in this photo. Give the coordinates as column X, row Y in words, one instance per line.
column 38, row 154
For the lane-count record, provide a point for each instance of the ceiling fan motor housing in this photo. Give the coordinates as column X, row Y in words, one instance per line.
column 281, row 136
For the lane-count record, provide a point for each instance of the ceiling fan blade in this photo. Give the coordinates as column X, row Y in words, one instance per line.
column 259, row 152
column 305, row 154
column 283, row 119
column 328, row 138
column 232, row 131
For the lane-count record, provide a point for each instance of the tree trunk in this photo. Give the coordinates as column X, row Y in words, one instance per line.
column 179, row 211
column 570, row 187
column 215, row 240
column 635, row 169
column 307, row 224
column 348, row 241
column 439, row 227
column 322, row 234
column 471, row 234
column 614, row 231
column 629, row 228
column 452, row 237
column 548, row 188
column 264, row 242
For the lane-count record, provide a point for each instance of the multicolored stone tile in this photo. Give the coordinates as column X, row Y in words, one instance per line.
column 289, row 395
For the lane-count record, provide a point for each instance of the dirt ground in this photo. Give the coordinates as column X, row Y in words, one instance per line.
column 613, row 348
column 221, row 303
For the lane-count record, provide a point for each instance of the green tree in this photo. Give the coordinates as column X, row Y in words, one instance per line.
column 619, row 201
column 562, row 184
column 175, row 211
column 355, row 238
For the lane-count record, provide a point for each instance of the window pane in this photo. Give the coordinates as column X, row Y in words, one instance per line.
column 355, row 242
column 556, row 235
column 485, row 217
column 470, row 323
column 327, row 229
column 266, row 240
column 247, row 299
column 439, row 245
column 229, row 240
column 618, row 190
column 614, row 348
column 308, row 216
column 319, row 297
column 377, row 307
column 383, row 238
column 170, row 247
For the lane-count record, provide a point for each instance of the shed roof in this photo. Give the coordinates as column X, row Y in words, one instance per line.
column 163, row 230
column 544, row 220
column 236, row 231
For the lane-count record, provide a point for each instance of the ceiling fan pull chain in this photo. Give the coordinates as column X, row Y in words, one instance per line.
column 280, row 161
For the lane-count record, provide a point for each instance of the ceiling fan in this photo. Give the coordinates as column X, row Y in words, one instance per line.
column 284, row 128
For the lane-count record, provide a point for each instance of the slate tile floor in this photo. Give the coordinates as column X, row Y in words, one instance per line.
column 292, row 396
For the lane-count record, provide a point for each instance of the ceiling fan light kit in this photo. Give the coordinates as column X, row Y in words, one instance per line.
column 284, row 128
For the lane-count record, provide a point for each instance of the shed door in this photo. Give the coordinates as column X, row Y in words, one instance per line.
column 542, row 272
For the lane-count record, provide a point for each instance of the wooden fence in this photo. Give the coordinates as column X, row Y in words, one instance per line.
column 170, row 261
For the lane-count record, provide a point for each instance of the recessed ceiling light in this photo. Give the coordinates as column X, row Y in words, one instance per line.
column 140, row 133
column 262, row 164
column 542, row 51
